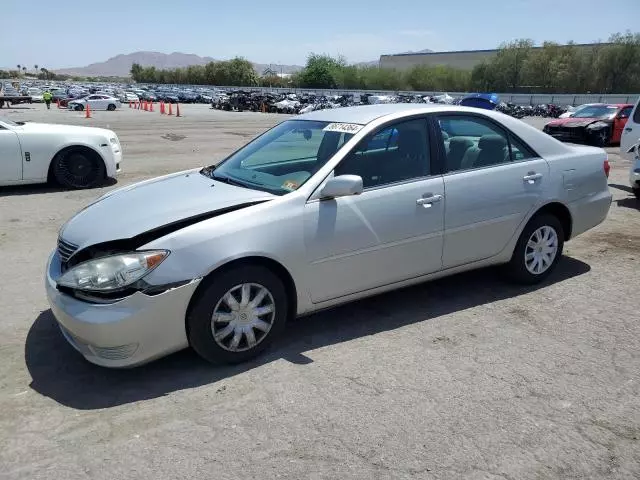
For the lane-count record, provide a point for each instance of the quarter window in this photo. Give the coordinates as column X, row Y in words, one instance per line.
column 393, row 154
column 472, row 142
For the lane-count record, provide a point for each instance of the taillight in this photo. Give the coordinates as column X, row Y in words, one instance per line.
column 607, row 167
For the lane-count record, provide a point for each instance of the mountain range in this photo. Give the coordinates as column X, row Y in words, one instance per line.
column 120, row 65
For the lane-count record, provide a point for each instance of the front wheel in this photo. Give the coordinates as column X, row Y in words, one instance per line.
column 78, row 108
column 538, row 250
column 78, row 169
column 601, row 138
column 237, row 315
column 111, row 107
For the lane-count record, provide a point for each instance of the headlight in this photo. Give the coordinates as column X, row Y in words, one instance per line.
column 107, row 274
column 113, row 140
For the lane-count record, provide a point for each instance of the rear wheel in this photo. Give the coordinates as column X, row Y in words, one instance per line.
column 78, row 108
column 78, row 168
column 111, row 107
column 237, row 315
column 538, row 250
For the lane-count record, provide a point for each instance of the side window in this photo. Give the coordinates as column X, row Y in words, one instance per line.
column 393, row 154
column 519, row 151
column 471, row 142
column 625, row 112
column 636, row 113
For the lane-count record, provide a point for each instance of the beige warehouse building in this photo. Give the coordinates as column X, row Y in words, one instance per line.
column 462, row 59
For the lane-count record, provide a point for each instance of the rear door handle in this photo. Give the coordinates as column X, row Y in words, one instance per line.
column 428, row 200
column 532, row 177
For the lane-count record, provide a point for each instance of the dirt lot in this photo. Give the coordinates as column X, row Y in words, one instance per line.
column 466, row 377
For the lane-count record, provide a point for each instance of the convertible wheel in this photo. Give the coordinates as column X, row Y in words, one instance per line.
column 237, row 315
column 601, row 138
column 111, row 107
column 78, row 169
column 538, row 250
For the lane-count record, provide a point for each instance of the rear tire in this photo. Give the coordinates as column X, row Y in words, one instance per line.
column 111, row 107
column 537, row 251
column 240, row 331
column 78, row 168
column 78, row 108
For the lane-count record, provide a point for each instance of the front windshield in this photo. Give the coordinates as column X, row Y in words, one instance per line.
column 285, row 157
column 595, row 111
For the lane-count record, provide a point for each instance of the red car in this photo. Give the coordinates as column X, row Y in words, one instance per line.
column 598, row 124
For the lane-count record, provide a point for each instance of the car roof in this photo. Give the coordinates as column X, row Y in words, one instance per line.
column 368, row 113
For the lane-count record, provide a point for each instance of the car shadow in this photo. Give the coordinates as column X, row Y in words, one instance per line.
column 41, row 188
column 629, row 202
column 624, row 188
column 60, row 373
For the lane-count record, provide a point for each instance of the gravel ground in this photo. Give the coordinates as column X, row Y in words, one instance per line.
column 466, row 377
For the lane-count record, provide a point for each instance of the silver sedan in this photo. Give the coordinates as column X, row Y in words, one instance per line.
column 322, row 209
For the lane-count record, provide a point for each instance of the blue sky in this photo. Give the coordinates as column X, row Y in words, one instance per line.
column 69, row 33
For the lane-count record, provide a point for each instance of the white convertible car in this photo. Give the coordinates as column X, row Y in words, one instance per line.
column 96, row 102
column 72, row 156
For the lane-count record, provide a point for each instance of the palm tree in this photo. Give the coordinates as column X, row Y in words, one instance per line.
column 19, row 67
column 24, row 70
column 45, row 73
column 35, row 67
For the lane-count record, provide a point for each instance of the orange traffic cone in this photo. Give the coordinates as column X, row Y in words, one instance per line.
column 170, row 110
column 162, row 112
column 177, row 109
column 87, row 112
column 130, row 106
column 58, row 102
column 151, row 106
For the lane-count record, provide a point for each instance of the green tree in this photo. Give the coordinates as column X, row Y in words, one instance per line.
column 319, row 72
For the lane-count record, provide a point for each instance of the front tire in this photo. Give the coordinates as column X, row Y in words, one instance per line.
column 78, row 108
column 538, row 250
column 111, row 107
column 601, row 138
column 237, row 315
column 78, row 169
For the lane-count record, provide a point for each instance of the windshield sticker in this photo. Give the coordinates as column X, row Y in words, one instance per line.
column 343, row 127
column 290, row 185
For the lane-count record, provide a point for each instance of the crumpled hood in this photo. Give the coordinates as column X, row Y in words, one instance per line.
column 574, row 122
column 144, row 206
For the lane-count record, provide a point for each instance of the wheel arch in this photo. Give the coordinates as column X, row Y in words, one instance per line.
column 69, row 148
column 272, row 265
column 561, row 212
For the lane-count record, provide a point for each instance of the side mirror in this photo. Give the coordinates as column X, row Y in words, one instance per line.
column 623, row 116
column 342, row 186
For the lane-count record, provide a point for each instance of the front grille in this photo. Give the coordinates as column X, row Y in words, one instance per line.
column 66, row 250
column 567, row 133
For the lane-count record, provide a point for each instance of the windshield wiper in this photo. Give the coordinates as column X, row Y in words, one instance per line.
column 228, row 180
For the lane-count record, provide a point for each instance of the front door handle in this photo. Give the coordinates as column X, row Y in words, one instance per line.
column 628, row 129
column 532, row 177
column 428, row 200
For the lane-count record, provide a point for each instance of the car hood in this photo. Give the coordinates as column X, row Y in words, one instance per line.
column 574, row 122
column 152, row 204
column 31, row 127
